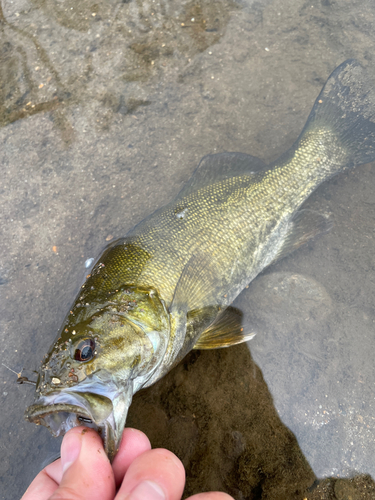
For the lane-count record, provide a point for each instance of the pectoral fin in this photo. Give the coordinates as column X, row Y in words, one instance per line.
column 304, row 226
column 226, row 330
column 198, row 286
column 196, row 290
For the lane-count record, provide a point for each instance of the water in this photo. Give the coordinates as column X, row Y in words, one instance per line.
column 106, row 110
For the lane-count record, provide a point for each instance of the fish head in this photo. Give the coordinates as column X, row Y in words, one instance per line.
column 99, row 360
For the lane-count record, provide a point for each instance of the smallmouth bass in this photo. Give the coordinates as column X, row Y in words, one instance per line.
column 166, row 287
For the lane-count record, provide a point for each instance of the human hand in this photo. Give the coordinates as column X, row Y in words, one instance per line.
column 138, row 473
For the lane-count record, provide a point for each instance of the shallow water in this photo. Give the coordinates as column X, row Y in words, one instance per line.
column 106, row 109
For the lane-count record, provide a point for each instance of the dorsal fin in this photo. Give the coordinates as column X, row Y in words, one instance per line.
column 213, row 168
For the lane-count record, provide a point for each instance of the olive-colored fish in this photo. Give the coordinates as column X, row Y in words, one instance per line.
column 166, row 287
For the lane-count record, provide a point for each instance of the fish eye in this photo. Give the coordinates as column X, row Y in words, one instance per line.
column 84, row 350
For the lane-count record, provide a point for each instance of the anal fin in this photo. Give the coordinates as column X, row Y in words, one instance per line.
column 305, row 226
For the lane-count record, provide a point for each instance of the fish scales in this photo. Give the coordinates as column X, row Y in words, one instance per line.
column 243, row 213
column 166, row 287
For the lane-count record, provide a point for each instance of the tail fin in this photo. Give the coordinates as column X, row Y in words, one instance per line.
column 346, row 106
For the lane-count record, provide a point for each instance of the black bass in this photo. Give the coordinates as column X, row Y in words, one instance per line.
column 166, row 288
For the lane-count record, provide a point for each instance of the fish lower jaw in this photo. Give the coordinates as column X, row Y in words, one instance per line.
column 60, row 412
column 60, row 418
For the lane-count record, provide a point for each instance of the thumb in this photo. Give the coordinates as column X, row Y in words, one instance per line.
column 87, row 473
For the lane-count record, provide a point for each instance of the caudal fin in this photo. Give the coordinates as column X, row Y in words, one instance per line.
column 346, row 107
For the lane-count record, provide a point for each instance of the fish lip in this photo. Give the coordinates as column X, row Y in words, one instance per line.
column 60, row 412
column 59, row 418
column 36, row 412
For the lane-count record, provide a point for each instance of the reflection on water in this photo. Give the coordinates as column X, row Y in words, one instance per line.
column 106, row 108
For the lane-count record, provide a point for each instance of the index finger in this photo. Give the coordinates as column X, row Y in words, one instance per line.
column 154, row 474
column 133, row 444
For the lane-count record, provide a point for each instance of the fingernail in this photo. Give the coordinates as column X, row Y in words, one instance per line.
column 70, row 449
column 147, row 490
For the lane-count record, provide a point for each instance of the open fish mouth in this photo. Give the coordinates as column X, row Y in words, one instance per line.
column 61, row 412
column 59, row 418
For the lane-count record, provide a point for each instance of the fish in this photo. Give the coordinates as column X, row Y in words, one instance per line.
column 167, row 286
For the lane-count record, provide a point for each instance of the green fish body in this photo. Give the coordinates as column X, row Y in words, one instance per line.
column 166, row 287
